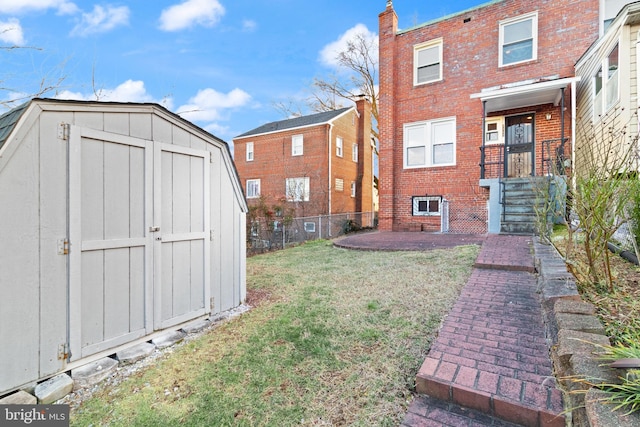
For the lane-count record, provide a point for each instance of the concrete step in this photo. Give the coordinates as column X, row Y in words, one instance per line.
column 513, row 227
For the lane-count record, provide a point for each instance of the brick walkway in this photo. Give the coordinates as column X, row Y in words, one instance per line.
column 489, row 365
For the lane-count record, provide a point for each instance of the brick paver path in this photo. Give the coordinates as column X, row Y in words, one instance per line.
column 490, row 362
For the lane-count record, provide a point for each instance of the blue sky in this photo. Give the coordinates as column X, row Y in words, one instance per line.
column 221, row 64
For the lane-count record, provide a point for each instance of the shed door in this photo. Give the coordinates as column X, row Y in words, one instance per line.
column 139, row 213
column 111, row 249
column 181, row 210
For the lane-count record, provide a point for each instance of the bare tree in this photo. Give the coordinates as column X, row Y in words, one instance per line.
column 45, row 84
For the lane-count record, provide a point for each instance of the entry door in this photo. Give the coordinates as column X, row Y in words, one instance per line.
column 520, row 143
column 111, row 251
column 181, row 218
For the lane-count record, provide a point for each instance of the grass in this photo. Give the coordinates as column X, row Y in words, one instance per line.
column 336, row 338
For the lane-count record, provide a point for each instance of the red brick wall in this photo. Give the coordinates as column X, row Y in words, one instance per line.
column 273, row 163
column 566, row 28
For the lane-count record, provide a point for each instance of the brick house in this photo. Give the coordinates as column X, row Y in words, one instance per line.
column 472, row 106
column 312, row 165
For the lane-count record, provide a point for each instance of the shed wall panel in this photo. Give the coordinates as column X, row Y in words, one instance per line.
column 19, row 232
column 216, row 227
column 117, row 123
column 140, row 125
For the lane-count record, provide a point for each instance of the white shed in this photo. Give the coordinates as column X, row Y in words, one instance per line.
column 117, row 221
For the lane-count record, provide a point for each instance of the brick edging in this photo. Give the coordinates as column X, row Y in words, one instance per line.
column 574, row 333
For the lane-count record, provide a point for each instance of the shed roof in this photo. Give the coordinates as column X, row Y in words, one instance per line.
column 8, row 121
column 296, row 122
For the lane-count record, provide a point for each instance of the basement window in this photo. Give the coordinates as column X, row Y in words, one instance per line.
column 426, row 205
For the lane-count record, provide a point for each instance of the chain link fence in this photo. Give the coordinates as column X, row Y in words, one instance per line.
column 273, row 234
column 462, row 219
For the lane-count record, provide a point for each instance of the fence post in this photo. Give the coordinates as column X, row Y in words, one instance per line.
column 319, row 226
column 284, row 231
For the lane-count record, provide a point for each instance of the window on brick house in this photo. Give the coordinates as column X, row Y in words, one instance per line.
column 249, row 151
column 494, row 130
column 297, row 145
column 353, row 189
column 519, row 39
column 253, row 188
column 339, row 147
column 431, row 143
column 339, row 184
column 354, row 153
column 297, row 189
column 605, row 83
column 427, row 62
column 426, row 205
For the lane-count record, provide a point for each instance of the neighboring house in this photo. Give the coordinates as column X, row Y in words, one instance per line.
column 118, row 220
column 608, row 90
column 312, row 165
column 472, row 106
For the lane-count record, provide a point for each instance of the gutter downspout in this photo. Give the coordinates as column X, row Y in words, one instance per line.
column 329, row 178
column 573, row 133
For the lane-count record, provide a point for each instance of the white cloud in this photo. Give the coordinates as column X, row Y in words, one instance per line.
column 329, row 54
column 129, row 91
column 191, row 12
column 101, row 20
column 208, row 104
column 63, row 7
column 249, row 25
column 11, row 32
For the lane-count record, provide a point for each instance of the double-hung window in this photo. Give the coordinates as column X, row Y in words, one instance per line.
column 339, row 144
column 354, row 153
column 430, row 143
column 253, row 188
column 297, row 145
column 297, row 189
column 519, row 39
column 353, row 189
column 605, row 84
column 249, row 151
column 427, row 62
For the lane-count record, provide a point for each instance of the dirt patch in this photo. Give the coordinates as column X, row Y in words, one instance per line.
column 255, row 297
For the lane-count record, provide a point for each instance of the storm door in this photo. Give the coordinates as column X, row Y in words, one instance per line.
column 520, row 143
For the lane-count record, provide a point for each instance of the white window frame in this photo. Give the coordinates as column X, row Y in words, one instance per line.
column 533, row 16
column 431, row 44
column 427, row 128
column 254, row 185
column 297, row 189
column 353, row 189
column 309, row 227
column 297, row 145
column 339, row 184
column 499, row 130
column 339, row 146
column 609, row 93
column 354, row 153
column 426, row 199
column 249, row 152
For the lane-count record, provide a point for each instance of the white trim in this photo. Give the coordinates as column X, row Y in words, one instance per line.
column 533, row 16
column 428, row 45
column 427, row 142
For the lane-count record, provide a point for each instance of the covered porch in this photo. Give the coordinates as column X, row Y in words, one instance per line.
column 528, row 128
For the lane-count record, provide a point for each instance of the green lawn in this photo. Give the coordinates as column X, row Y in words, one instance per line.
column 336, row 339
